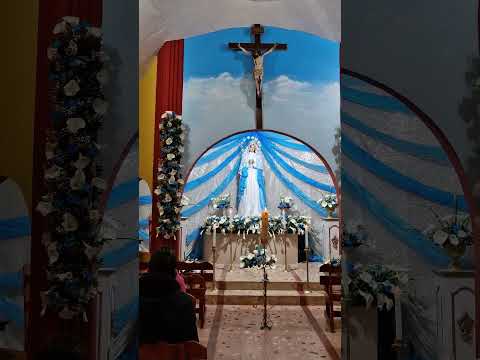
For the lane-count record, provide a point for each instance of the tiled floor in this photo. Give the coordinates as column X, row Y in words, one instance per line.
column 232, row 332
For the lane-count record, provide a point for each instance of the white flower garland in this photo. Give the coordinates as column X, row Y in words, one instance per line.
column 170, row 181
column 73, row 239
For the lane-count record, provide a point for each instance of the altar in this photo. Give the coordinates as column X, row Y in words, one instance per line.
column 229, row 248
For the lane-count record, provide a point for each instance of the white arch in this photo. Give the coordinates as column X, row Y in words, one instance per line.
column 162, row 21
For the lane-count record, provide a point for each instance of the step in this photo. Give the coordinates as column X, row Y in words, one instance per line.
column 272, row 285
column 255, row 297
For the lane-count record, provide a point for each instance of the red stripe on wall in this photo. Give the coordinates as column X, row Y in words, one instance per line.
column 169, row 98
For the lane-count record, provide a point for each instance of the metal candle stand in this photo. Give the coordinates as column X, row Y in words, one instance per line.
column 266, row 324
column 214, row 255
column 307, row 252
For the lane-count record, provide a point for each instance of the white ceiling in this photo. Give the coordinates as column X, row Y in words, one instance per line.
column 163, row 20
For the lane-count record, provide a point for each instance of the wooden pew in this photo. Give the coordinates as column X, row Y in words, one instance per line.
column 189, row 350
column 196, row 287
column 203, row 268
column 331, row 279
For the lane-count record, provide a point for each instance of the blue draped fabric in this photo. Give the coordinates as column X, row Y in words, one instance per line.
column 121, row 256
column 217, row 153
column 425, row 152
column 193, row 184
column 412, row 237
column 289, row 144
column 261, row 186
column 367, row 99
column 12, row 312
column 143, row 235
column 217, row 192
column 196, row 238
column 143, row 222
column 145, row 200
column 294, row 172
column 10, row 282
column 237, row 137
column 124, row 315
column 14, row 228
column 242, row 185
column 390, row 175
column 295, row 190
column 315, row 167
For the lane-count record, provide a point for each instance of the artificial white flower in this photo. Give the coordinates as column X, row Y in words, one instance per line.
column 72, row 48
column 242, row 265
column 44, row 208
column 60, row 27
column 161, row 211
column 462, row 234
column 77, row 182
column 181, row 181
column 75, row 124
column 169, row 141
column 82, row 162
column 99, row 183
column 71, row 88
column 66, row 313
column 103, row 77
column 94, row 31
column 91, row 251
column 440, row 237
column 52, row 53
column 172, row 180
column 53, row 172
column 250, row 256
column 169, row 124
column 52, row 253
column 182, row 136
column 162, row 177
column 367, row 297
column 73, row 20
column 170, row 156
column 100, row 106
column 453, row 239
column 69, row 223
column 181, row 149
column 168, row 198
column 94, row 215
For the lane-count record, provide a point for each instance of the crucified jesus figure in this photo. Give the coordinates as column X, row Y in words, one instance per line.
column 258, row 65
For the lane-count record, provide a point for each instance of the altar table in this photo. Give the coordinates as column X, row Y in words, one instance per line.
column 231, row 246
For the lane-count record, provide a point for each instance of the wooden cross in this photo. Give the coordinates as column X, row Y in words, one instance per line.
column 257, row 50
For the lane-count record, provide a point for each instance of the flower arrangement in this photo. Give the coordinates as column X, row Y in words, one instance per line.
column 74, row 238
column 329, row 203
column 252, row 225
column 373, row 284
column 170, row 181
column 221, row 202
column 257, row 259
column 286, row 202
column 354, row 235
column 453, row 233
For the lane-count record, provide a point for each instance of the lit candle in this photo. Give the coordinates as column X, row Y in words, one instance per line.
column 264, row 229
column 306, row 236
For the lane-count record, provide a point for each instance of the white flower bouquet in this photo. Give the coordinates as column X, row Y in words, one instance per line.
column 286, row 202
column 221, row 202
column 453, row 234
column 329, row 203
column 257, row 259
column 373, row 284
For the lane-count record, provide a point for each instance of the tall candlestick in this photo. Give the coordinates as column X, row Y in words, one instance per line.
column 306, row 236
column 214, row 239
column 398, row 317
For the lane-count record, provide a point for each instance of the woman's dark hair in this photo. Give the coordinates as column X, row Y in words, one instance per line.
column 163, row 262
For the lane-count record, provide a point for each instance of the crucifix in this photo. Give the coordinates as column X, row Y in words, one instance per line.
column 257, row 50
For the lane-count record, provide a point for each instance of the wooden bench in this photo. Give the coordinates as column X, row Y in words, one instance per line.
column 331, row 280
column 189, row 350
column 196, row 287
column 203, row 268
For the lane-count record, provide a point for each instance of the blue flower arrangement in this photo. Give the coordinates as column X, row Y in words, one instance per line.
column 170, row 180
column 72, row 177
column 259, row 258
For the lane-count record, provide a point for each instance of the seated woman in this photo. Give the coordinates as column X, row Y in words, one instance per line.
column 167, row 314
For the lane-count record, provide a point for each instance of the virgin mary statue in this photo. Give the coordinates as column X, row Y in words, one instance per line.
column 251, row 199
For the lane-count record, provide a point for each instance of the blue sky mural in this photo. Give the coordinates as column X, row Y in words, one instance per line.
column 301, row 88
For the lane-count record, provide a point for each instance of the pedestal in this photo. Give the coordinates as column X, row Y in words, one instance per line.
column 455, row 314
column 361, row 333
